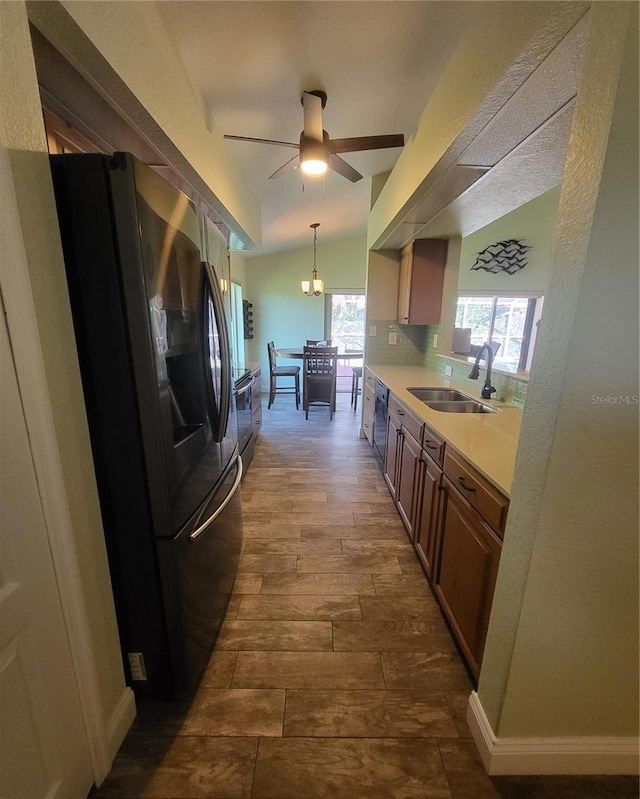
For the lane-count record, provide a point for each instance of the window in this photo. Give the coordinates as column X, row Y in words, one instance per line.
column 508, row 323
column 344, row 325
column 344, row 320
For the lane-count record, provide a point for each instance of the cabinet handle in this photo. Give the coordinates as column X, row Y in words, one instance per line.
column 400, row 413
column 430, row 446
column 466, row 488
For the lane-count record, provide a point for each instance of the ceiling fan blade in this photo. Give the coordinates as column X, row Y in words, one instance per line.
column 343, row 168
column 263, row 141
column 312, row 110
column 357, row 143
column 282, row 169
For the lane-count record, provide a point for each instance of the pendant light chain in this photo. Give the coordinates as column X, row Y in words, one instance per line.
column 313, row 287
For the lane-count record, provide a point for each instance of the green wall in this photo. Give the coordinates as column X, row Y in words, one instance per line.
column 533, row 224
column 281, row 312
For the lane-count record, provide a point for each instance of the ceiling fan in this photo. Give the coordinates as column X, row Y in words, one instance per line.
column 317, row 151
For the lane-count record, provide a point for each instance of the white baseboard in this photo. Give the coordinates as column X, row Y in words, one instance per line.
column 588, row 755
column 120, row 721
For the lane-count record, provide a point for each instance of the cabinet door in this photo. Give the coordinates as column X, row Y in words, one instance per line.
column 466, row 573
column 406, row 473
column 430, row 480
column 422, row 268
column 404, row 284
column 368, row 410
column 394, row 443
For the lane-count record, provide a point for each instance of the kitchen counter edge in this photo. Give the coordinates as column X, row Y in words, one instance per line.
column 488, row 441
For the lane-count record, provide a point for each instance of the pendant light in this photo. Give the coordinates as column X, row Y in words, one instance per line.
column 313, row 287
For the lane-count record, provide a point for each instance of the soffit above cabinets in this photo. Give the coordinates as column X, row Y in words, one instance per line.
column 69, row 97
column 518, row 155
column 531, row 169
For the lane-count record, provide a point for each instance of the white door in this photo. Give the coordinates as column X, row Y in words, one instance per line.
column 43, row 748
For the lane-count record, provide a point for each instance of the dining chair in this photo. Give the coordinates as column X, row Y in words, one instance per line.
column 315, row 343
column 275, row 372
column 355, row 385
column 319, row 366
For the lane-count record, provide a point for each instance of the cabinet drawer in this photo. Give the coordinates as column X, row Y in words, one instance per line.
column 409, row 421
column 369, row 398
column 369, row 379
column 433, row 445
column 479, row 493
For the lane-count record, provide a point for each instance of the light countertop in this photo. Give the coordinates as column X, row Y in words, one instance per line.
column 488, row 441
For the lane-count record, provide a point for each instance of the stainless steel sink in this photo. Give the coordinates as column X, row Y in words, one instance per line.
column 458, row 406
column 439, row 395
column 449, row 400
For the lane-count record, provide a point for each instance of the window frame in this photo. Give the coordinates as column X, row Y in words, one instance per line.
column 535, row 303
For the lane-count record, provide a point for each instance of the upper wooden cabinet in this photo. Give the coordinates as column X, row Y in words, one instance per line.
column 422, row 266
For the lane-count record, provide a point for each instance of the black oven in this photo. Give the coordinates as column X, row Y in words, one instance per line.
column 380, row 421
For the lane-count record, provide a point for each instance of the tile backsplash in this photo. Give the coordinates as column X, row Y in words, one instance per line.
column 414, row 346
column 410, row 346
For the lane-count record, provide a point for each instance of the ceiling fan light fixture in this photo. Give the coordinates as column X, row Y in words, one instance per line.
column 317, row 151
column 312, row 166
column 313, row 157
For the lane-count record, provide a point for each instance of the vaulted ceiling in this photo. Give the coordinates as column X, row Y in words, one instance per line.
column 378, row 62
column 246, row 65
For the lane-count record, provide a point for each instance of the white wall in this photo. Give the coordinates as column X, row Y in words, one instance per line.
column 562, row 652
column 25, row 139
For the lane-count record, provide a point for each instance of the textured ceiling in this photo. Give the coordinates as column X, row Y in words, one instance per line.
column 378, row 62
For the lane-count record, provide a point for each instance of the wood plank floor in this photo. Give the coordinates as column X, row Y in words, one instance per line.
column 334, row 674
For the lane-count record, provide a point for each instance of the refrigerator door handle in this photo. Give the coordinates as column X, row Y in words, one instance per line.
column 200, row 529
column 225, row 365
column 243, row 390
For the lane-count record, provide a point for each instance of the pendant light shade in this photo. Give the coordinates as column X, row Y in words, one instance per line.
column 315, row 286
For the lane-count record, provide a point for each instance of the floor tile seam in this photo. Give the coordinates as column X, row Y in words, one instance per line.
column 444, row 768
column 235, row 666
column 203, row 735
column 400, row 739
column 441, row 693
column 413, row 736
column 255, row 766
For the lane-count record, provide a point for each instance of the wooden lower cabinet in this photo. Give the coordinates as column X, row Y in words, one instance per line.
column 455, row 518
column 402, row 461
column 406, row 479
column 465, row 574
column 394, row 444
column 429, row 484
column 368, row 405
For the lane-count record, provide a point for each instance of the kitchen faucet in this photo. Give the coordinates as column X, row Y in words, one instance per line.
column 487, row 389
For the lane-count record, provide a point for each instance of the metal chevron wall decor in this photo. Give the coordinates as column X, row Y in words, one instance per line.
column 508, row 256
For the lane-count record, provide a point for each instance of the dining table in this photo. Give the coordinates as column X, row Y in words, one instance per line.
column 297, row 353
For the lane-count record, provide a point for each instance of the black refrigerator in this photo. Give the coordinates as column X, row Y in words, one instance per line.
column 156, row 372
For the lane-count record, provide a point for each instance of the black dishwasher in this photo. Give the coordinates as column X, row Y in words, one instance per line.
column 380, row 421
